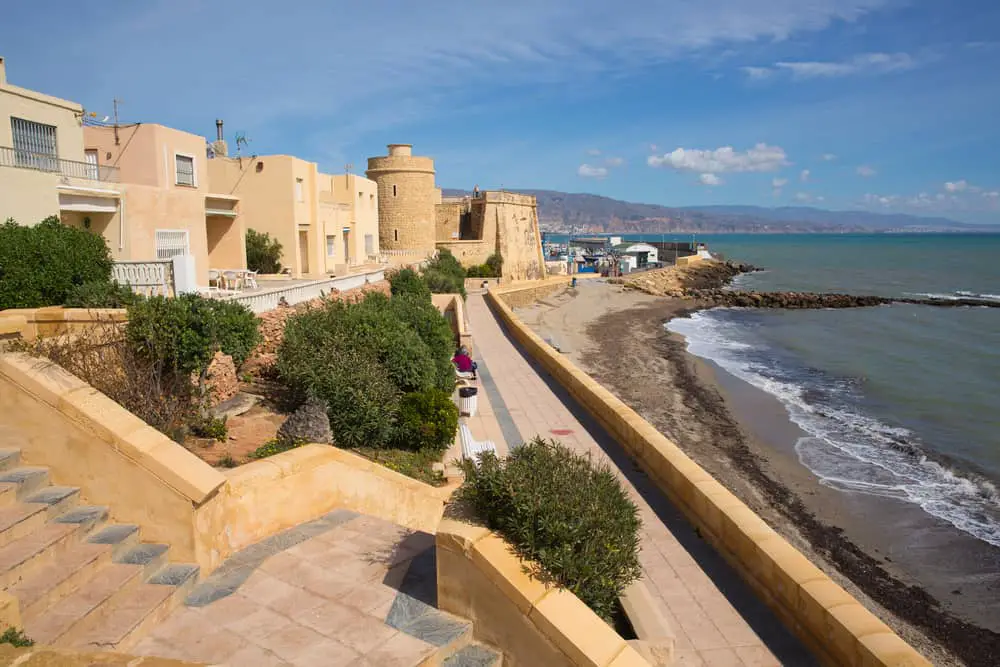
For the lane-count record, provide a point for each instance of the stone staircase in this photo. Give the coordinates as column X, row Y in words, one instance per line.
column 81, row 582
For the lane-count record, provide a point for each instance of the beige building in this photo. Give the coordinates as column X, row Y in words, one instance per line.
column 44, row 167
column 326, row 224
column 144, row 187
column 168, row 206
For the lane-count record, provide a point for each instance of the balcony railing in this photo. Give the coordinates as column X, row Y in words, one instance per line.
column 15, row 157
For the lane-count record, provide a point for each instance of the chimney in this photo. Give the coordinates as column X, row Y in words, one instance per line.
column 3, row 72
column 219, row 147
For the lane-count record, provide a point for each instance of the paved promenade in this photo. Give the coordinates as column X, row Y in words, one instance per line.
column 716, row 617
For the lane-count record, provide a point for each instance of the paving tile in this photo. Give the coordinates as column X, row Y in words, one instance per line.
column 255, row 656
column 328, row 618
column 401, row 650
column 259, row 623
column 756, row 656
column 327, row 654
column 687, row 658
column 227, row 610
column 721, row 657
column 210, row 647
column 368, row 596
column 365, row 633
column 264, row 589
column 293, row 641
column 297, row 599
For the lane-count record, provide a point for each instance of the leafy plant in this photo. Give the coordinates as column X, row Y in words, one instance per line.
column 445, row 275
column 100, row 294
column 41, row 265
column 493, row 268
column 434, row 330
column 408, row 281
column 210, row 427
column 427, row 421
column 227, row 461
column 272, row 447
column 567, row 516
column 263, row 252
column 16, row 637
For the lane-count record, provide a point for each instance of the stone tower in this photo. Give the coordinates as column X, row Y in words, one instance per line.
column 406, row 199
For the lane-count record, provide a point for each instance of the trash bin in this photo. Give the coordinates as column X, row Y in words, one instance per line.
column 467, row 402
column 573, row 283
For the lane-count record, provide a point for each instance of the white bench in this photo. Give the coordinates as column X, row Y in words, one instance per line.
column 472, row 448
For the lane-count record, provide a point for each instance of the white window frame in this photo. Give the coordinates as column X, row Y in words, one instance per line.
column 300, row 195
column 165, row 248
column 331, row 245
column 194, row 170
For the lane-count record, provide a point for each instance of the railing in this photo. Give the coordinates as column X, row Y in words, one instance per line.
column 269, row 299
column 22, row 159
column 146, row 278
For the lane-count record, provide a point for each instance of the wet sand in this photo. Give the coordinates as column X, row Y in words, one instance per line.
column 887, row 553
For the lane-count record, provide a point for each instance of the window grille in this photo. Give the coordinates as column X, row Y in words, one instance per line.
column 185, row 170
column 171, row 243
column 34, row 144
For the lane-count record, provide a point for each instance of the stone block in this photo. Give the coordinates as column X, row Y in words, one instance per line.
column 845, row 625
column 100, row 415
column 459, row 536
column 39, row 377
column 789, row 571
column 886, row 648
column 182, row 470
column 815, row 598
column 494, row 558
column 575, row 629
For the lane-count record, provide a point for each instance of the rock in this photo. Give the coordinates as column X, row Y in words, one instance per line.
column 235, row 406
column 220, row 379
column 307, row 424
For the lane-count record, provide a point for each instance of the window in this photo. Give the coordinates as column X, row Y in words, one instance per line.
column 360, row 194
column 298, row 190
column 371, row 200
column 171, row 243
column 395, row 235
column 185, row 169
column 34, row 144
column 394, row 191
column 331, row 246
column 369, row 244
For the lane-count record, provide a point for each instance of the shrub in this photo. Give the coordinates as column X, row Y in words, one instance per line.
column 272, row 447
column 407, row 281
column 100, row 294
column 444, row 274
column 40, row 265
column 263, row 252
column 210, row 427
column 427, row 421
column 182, row 334
column 16, row 637
column 567, row 516
column 493, row 268
column 434, row 330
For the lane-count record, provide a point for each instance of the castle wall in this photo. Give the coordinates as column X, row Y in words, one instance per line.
column 407, row 198
column 469, row 253
column 514, row 218
column 448, row 220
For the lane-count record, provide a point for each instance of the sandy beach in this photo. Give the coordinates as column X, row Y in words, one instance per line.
column 883, row 552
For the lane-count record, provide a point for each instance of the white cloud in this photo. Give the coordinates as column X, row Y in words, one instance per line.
column 957, row 186
column 593, row 152
column 779, row 182
column 866, row 63
column 590, row 171
column 865, row 171
column 803, row 197
column 710, row 179
column 992, row 194
column 804, row 176
column 614, row 161
column 758, row 73
column 829, row 157
column 722, row 160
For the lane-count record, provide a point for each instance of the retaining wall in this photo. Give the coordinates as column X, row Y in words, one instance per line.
column 478, row 578
column 32, row 323
column 827, row 618
column 452, row 306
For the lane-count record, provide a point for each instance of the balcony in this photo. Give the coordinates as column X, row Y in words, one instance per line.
column 21, row 159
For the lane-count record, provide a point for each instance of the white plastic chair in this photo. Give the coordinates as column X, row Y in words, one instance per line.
column 250, row 277
column 234, row 281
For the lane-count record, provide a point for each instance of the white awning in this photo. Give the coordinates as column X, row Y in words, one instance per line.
column 87, row 203
column 227, row 212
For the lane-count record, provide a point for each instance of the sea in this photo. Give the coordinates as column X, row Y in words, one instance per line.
column 899, row 401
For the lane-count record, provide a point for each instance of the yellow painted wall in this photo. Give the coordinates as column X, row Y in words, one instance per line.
column 28, row 195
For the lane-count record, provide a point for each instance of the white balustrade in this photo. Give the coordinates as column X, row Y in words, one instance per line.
column 145, row 278
column 269, row 299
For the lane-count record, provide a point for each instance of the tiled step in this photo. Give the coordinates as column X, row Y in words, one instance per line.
column 27, row 479
column 56, row 499
column 91, row 602
column 19, row 520
column 9, row 458
column 41, row 547
column 475, row 655
column 70, row 571
column 131, row 615
column 437, row 628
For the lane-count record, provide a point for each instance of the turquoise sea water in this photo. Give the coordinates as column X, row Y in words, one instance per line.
column 897, row 401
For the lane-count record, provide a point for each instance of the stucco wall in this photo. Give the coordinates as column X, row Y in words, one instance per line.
column 28, row 195
column 827, row 618
column 478, row 578
column 151, row 208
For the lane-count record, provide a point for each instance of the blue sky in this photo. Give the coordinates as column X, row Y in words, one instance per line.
column 875, row 104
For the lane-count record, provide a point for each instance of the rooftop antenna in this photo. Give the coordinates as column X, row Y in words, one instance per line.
column 115, row 102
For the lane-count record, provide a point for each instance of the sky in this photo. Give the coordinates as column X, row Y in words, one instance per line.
column 880, row 105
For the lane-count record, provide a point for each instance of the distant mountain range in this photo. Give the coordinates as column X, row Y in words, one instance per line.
column 563, row 212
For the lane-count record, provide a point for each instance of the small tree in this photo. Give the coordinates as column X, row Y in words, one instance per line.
column 263, row 252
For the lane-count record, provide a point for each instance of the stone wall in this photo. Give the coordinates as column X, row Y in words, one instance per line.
column 448, row 216
column 35, row 323
column 468, row 253
column 825, row 616
column 515, row 218
column 407, row 198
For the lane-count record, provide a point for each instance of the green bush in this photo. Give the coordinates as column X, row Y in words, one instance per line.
column 263, row 252
column 427, row 421
column 407, row 281
column 16, row 638
column 434, row 331
column 211, row 427
column 444, row 274
column 183, row 334
column 40, row 265
column 569, row 517
column 493, row 268
column 100, row 294
column 272, row 447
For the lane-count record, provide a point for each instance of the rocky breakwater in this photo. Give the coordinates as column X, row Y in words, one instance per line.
column 680, row 281
column 790, row 300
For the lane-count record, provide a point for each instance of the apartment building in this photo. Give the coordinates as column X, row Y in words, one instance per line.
column 326, row 224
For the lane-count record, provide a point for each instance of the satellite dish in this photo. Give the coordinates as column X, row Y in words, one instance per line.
column 106, row 119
